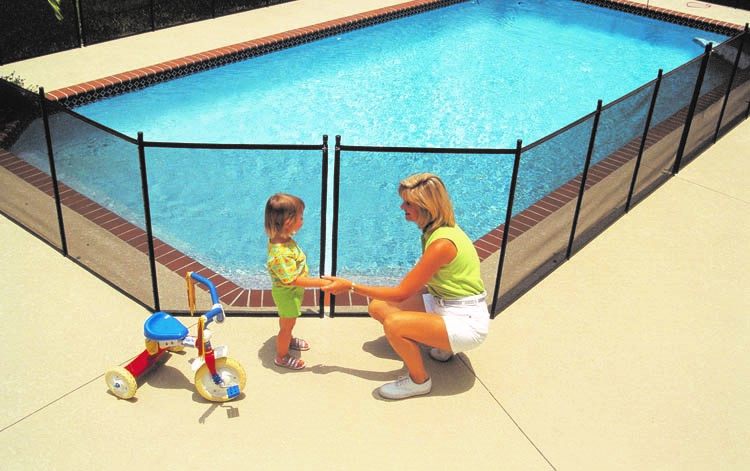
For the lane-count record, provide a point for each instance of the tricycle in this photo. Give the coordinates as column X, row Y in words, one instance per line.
column 218, row 378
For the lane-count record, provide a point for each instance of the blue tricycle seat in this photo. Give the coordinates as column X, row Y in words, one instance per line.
column 162, row 326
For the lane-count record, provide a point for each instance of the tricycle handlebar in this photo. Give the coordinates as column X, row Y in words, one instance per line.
column 217, row 311
column 209, row 285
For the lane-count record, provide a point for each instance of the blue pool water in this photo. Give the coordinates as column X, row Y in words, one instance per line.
column 471, row 75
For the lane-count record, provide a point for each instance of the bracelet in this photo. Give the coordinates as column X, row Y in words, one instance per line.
column 351, row 289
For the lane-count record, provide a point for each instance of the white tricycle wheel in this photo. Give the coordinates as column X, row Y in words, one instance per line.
column 121, row 382
column 232, row 374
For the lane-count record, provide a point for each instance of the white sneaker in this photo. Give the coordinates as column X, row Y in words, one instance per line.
column 404, row 387
column 438, row 354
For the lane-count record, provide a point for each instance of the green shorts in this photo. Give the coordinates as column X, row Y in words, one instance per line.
column 288, row 300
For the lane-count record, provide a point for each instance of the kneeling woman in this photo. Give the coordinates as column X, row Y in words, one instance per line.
column 451, row 316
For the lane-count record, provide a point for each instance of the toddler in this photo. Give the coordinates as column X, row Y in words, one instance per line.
column 287, row 266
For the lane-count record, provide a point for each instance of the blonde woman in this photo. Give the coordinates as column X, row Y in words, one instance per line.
column 440, row 302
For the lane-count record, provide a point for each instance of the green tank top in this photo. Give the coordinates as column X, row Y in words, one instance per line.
column 461, row 277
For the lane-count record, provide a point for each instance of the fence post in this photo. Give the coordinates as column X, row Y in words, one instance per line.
column 745, row 39
column 584, row 176
column 691, row 110
column 147, row 217
column 82, row 29
column 506, row 228
column 747, row 35
column 649, row 117
column 335, row 221
column 53, row 172
column 323, row 216
column 77, row 16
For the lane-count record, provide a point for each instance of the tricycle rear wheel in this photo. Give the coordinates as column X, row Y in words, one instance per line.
column 121, row 382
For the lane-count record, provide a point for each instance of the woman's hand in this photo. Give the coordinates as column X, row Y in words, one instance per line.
column 337, row 285
column 438, row 254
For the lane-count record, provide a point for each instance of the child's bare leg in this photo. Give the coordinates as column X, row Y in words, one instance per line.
column 285, row 336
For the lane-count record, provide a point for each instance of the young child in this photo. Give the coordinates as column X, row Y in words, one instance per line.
column 289, row 273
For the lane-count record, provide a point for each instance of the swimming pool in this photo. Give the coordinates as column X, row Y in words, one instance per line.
column 474, row 110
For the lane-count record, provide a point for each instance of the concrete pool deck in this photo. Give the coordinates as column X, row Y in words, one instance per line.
column 632, row 355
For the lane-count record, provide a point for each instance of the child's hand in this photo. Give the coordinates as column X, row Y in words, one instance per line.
column 336, row 285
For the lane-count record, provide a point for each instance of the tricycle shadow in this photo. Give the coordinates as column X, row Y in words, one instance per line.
column 172, row 378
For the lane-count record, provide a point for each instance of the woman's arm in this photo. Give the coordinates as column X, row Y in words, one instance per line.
column 439, row 253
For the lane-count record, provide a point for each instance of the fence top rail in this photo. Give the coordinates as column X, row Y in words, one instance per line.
column 89, row 121
column 425, row 150
column 215, row 146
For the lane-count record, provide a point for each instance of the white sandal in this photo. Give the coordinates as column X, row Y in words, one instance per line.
column 289, row 361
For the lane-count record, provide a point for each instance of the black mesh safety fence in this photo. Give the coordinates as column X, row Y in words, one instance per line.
column 614, row 150
column 232, row 212
column 103, row 21
column 368, row 202
column 666, row 128
column 29, row 28
column 227, row 7
column 21, row 117
column 538, row 205
column 743, row 4
column 175, row 12
column 737, row 101
column 18, row 107
column 707, row 102
column 103, row 233
column 533, row 253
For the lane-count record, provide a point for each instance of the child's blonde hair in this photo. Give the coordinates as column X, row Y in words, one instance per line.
column 427, row 192
column 281, row 208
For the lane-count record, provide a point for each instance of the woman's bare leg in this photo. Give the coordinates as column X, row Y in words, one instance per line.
column 378, row 310
column 407, row 325
column 405, row 330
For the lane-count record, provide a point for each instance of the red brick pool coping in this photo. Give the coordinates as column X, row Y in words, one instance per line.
column 239, row 297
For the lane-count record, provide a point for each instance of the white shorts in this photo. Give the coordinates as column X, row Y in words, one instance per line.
column 467, row 320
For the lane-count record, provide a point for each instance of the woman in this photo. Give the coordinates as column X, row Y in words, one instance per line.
column 451, row 316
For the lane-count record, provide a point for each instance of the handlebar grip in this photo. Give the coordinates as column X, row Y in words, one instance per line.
column 209, row 285
column 216, row 311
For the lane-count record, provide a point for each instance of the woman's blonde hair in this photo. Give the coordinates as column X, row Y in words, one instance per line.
column 281, row 208
column 427, row 192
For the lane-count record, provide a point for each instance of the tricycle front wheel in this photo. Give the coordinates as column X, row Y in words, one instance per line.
column 233, row 378
column 121, row 382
